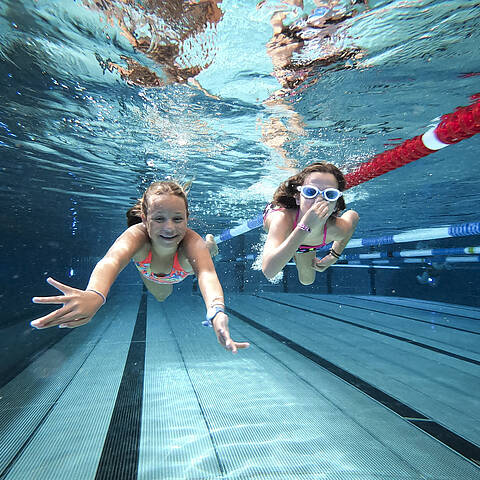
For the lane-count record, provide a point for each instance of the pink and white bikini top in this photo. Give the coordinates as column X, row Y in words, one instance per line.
column 176, row 275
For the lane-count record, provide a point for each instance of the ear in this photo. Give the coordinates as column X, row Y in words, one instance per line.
column 144, row 219
column 297, row 198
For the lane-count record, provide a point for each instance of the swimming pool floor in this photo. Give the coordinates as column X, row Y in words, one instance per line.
column 332, row 387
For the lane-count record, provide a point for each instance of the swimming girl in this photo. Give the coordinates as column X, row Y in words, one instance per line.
column 304, row 216
column 164, row 250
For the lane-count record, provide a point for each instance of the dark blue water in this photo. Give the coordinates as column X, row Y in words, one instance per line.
column 99, row 98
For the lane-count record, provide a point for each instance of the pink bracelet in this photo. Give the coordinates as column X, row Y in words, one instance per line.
column 98, row 293
column 304, row 227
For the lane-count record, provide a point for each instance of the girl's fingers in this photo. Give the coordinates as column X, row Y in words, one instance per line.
column 53, row 318
column 230, row 345
column 59, row 286
column 242, row 344
column 46, row 321
column 74, row 323
column 321, row 208
column 56, row 300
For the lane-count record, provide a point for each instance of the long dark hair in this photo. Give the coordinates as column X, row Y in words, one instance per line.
column 284, row 195
column 134, row 214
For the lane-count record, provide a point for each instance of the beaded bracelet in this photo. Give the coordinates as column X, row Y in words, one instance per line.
column 98, row 293
column 304, row 227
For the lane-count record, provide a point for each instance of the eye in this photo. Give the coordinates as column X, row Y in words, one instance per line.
column 178, row 219
column 159, row 219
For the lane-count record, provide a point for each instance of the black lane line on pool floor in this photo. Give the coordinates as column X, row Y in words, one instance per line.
column 455, row 442
column 431, row 310
column 438, row 325
column 119, row 459
column 379, row 332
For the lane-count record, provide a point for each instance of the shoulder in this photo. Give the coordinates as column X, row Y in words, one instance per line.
column 346, row 223
column 129, row 244
column 193, row 253
column 279, row 226
column 279, row 217
column 138, row 235
column 350, row 216
column 192, row 243
column 192, row 238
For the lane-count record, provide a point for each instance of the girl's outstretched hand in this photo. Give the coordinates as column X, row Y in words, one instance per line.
column 220, row 325
column 79, row 307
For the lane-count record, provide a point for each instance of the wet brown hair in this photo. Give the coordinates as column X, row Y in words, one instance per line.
column 284, row 195
column 165, row 187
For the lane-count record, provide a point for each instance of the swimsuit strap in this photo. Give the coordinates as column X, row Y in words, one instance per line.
column 296, row 219
column 148, row 258
column 176, row 264
column 176, row 274
column 175, row 267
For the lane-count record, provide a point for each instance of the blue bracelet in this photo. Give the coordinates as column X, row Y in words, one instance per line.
column 98, row 293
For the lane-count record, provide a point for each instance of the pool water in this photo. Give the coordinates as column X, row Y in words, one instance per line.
column 372, row 372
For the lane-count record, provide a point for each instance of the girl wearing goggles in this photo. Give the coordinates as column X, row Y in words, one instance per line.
column 311, row 191
column 303, row 217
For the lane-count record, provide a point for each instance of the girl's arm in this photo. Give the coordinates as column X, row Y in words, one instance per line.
column 79, row 306
column 346, row 224
column 199, row 257
column 281, row 243
column 117, row 258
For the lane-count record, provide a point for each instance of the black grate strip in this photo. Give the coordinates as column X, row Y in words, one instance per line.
column 119, row 459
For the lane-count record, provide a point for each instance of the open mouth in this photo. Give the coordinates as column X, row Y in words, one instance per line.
column 168, row 238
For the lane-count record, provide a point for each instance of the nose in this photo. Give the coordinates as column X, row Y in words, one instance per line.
column 169, row 226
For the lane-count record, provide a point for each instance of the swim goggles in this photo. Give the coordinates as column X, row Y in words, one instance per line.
column 329, row 194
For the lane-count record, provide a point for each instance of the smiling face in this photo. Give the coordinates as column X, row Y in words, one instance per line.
column 166, row 220
column 321, row 180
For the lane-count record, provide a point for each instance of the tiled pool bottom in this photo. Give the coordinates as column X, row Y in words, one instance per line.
column 332, row 387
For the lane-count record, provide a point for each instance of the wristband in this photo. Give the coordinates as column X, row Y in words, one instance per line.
column 334, row 253
column 211, row 314
column 98, row 293
column 304, row 227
